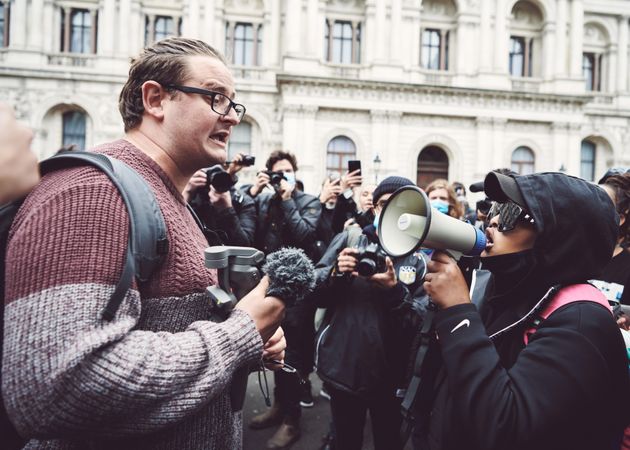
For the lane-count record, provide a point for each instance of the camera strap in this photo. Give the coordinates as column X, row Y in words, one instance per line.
column 416, row 382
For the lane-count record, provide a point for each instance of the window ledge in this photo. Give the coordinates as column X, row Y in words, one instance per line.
column 349, row 70
column 437, row 77
column 249, row 72
column 526, row 84
column 72, row 59
column 601, row 98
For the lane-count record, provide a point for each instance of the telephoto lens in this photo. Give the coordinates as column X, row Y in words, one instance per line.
column 219, row 179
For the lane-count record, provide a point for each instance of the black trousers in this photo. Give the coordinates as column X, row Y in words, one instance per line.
column 349, row 414
column 287, row 385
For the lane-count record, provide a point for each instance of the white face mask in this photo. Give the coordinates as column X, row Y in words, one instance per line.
column 330, row 205
column 290, row 176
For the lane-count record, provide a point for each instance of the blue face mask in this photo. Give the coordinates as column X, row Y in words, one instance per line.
column 375, row 223
column 290, row 176
column 440, row 205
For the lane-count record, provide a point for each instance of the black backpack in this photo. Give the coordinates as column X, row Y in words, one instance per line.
column 146, row 248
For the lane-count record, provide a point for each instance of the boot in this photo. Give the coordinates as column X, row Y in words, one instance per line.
column 270, row 418
column 287, row 434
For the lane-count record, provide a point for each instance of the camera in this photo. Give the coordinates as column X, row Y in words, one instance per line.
column 371, row 259
column 275, row 177
column 246, row 161
column 219, row 179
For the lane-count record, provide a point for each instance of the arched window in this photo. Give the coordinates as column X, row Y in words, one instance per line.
column 340, row 150
column 240, row 140
column 432, row 164
column 523, row 161
column 73, row 130
column 587, row 160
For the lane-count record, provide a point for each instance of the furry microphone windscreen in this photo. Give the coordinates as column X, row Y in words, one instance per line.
column 291, row 275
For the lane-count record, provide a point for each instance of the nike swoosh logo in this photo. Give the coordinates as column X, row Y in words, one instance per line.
column 464, row 322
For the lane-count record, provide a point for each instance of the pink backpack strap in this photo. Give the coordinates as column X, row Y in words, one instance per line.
column 566, row 295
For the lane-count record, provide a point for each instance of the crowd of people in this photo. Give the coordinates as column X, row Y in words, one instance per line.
column 523, row 346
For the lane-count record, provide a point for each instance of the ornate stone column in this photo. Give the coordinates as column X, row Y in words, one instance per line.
column 485, row 35
column 500, row 38
column 561, row 39
column 577, row 37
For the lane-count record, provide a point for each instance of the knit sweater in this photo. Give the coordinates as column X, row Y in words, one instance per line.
column 155, row 377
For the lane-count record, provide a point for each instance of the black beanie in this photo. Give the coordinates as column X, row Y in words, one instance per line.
column 389, row 185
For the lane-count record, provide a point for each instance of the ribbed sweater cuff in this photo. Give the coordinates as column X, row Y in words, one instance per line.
column 239, row 338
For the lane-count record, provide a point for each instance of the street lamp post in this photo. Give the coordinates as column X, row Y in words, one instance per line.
column 377, row 165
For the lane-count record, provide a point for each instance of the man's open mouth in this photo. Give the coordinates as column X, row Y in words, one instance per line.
column 221, row 136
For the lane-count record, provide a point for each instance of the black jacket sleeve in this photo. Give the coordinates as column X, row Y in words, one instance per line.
column 302, row 222
column 247, row 218
column 325, row 280
column 565, row 367
column 344, row 209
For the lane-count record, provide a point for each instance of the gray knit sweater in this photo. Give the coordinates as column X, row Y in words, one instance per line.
column 155, row 377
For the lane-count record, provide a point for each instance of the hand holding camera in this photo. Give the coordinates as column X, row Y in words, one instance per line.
column 387, row 279
column 286, row 189
column 220, row 200
column 197, row 181
column 238, row 162
column 262, row 179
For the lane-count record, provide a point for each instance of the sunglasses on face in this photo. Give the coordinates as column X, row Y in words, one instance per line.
column 509, row 214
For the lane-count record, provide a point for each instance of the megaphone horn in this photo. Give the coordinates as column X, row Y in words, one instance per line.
column 408, row 222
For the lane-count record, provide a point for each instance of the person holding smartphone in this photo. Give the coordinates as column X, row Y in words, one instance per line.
column 346, row 207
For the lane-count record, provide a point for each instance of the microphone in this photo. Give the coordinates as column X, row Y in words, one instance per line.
column 291, row 275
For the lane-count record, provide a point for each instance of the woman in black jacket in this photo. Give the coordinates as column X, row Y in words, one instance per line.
column 568, row 387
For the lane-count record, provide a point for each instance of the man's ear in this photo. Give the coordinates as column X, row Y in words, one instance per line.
column 152, row 95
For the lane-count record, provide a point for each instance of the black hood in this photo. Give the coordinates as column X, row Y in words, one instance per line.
column 576, row 222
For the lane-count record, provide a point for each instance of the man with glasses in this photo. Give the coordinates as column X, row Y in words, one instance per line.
column 366, row 335
column 539, row 361
column 158, row 374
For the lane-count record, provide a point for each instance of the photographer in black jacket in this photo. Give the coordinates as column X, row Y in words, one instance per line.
column 568, row 387
column 226, row 213
column 286, row 217
column 363, row 343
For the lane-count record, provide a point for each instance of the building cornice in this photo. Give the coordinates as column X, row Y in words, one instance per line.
column 375, row 90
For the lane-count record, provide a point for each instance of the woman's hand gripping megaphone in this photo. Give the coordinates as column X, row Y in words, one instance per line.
column 444, row 281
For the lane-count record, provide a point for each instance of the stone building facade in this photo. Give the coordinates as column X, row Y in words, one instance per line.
column 420, row 88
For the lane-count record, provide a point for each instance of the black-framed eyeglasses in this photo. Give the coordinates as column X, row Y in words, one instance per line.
column 509, row 214
column 221, row 103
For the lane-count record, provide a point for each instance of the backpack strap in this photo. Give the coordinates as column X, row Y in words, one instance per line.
column 148, row 242
column 569, row 294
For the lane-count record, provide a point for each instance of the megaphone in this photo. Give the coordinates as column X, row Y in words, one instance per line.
column 408, row 222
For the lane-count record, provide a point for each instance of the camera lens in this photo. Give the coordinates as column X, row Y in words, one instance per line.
column 366, row 267
column 221, row 181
